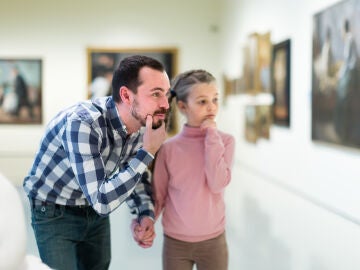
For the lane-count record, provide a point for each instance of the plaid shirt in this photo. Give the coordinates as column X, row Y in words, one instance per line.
column 87, row 157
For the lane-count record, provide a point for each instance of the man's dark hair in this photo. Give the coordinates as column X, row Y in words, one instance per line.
column 127, row 73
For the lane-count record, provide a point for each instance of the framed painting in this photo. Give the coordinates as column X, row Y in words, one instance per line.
column 103, row 61
column 257, row 55
column 335, row 74
column 264, row 121
column 251, row 126
column 280, row 82
column 258, row 120
column 20, row 91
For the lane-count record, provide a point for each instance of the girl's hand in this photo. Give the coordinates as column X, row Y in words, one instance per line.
column 208, row 123
column 143, row 232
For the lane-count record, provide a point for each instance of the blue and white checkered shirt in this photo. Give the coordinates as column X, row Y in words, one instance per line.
column 87, row 157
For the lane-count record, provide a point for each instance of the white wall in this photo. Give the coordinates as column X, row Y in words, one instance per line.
column 59, row 32
column 293, row 202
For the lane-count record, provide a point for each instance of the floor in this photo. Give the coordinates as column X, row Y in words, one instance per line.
column 126, row 254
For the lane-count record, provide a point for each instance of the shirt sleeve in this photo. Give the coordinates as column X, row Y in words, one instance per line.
column 83, row 146
column 160, row 181
column 140, row 201
column 219, row 154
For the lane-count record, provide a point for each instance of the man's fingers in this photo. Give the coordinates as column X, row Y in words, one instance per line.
column 149, row 121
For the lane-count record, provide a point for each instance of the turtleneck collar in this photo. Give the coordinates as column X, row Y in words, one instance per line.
column 192, row 132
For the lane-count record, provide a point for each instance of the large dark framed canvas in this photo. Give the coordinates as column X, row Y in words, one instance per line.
column 280, row 82
column 335, row 74
column 103, row 61
column 20, row 91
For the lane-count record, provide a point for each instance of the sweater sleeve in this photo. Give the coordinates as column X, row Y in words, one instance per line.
column 160, row 181
column 219, row 154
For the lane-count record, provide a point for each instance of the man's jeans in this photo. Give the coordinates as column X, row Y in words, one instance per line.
column 70, row 237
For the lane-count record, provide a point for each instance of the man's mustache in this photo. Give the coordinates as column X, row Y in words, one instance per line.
column 162, row 111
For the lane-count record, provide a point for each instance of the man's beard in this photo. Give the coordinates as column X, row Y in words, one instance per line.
column 142, row 120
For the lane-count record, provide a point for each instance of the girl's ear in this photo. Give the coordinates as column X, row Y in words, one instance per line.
column 125, row 95
column 182, row 106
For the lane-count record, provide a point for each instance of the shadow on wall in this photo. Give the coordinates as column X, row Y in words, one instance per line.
column 260, row 248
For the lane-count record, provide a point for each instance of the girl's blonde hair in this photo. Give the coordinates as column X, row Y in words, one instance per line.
column 182, row 83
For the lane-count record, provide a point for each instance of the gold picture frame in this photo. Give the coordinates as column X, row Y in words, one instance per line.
column 257, row 55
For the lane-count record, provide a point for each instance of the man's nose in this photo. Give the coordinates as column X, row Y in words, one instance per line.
column 164, row 103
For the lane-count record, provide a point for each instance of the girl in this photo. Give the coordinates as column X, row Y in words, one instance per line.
column 191, row 172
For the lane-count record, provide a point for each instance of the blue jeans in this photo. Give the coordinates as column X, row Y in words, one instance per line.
column 70, row 237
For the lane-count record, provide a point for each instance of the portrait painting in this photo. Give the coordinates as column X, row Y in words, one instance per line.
column 20, row 91
column 103, row 61
column 335, row 74
column 280, row 83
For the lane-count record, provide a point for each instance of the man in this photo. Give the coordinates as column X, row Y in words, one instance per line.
column 93, row 157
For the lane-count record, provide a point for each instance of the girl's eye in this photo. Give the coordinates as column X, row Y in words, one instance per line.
column 215, row 100
column 202, row 101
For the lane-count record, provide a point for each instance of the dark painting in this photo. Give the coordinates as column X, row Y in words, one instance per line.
column 335, row 75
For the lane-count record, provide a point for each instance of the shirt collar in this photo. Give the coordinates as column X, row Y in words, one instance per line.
column 115, row 119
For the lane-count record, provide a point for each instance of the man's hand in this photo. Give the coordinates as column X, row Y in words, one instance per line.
column 153, row 138
column 143, row 232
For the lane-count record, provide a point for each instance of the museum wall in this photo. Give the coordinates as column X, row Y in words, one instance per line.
column 293, row 201
column 60, row 33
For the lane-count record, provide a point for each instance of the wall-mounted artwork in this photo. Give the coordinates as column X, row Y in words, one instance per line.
column 257, row 61
column 264, row 117
column 231, row 86
column 251, row 134
column 335, row 74
column 20, row 91
column 258, row 121
column 103, row 61
column 280, row 83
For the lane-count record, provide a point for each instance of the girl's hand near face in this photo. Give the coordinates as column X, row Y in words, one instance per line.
column 208, row 123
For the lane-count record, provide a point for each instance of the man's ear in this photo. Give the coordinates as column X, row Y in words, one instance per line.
column 125, row 95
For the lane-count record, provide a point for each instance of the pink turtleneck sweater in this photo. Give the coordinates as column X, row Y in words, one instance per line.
column 191, row 172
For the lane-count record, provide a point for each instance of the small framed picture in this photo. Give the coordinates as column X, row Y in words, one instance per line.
column 20, row 91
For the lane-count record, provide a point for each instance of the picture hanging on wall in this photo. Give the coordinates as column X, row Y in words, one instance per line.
column 20, row 91
column 103, row 61
column 264, row 116
column 258, row 121
column 335, row 74
column 251, row 126
column 280, row 83
column 257, row 61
